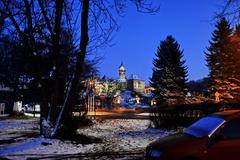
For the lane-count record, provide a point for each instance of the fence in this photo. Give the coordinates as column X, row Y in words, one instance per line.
column 185, row 114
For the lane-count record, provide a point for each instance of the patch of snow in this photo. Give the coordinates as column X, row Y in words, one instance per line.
column 150, row 95
column 117, row 135
column 124, row 104
column 139, row 106
column 16, row 124
column 32, row 115
column 21, row 147
column 143, row 114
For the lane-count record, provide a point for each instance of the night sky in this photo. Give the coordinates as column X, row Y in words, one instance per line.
column 189, row 21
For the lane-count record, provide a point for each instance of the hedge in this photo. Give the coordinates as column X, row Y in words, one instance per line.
column 183, row 115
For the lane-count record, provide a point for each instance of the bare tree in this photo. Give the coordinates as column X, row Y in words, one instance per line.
column 28, row 19
column 231, row 8
column 102, row 19
column 44, row 21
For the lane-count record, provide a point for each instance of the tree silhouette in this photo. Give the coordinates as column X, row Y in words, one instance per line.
column 169, row 73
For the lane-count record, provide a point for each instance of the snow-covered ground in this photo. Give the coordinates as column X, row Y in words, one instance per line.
column 117, row 135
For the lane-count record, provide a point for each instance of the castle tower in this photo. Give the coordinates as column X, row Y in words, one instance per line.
column 122, row 74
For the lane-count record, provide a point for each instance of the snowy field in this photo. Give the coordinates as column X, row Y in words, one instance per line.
column 19, row 139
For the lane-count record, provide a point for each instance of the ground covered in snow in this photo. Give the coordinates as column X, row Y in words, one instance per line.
column 19, row 140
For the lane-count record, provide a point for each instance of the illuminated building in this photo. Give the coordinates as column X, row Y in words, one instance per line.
column 135, row 84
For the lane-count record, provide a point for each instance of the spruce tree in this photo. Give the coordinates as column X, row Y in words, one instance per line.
column 235, row 46
column 169, row 73
column 221, row 63
column 235, row 70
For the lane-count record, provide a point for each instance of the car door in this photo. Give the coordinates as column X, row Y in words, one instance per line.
column 227, row 147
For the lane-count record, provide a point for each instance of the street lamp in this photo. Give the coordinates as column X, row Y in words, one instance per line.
column 91, row 88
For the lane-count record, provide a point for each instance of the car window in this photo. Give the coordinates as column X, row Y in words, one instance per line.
column 204, row 126
column 231, row 129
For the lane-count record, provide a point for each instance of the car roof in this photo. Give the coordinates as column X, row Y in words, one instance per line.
column 226, row 114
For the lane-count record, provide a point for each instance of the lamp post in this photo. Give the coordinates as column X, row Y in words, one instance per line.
column 91, row 88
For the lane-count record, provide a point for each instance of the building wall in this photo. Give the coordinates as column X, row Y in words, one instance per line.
column 136, row 85
column 122, row 85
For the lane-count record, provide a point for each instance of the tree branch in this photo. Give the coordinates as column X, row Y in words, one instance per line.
column 40, row 2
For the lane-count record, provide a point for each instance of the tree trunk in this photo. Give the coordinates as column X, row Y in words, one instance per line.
column 55, row 102
column 74, row 88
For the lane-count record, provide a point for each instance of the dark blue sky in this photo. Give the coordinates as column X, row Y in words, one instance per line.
column 189, row 21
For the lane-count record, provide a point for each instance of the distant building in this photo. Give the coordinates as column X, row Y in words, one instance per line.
column 113, row 88
column 106, row 86
column 136, row 84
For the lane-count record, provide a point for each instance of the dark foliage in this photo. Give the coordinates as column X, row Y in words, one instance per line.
column 184, row 115
column 198, row 87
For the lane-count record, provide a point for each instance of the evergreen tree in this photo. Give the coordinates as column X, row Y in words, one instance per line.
column 220, row 61
column 235, row 77
column 235, row 46
column 169, row 73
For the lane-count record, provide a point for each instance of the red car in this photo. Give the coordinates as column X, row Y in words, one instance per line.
column 215, row 137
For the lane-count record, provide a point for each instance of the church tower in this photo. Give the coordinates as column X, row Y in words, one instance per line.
column 122, row 74
column 122, row 80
